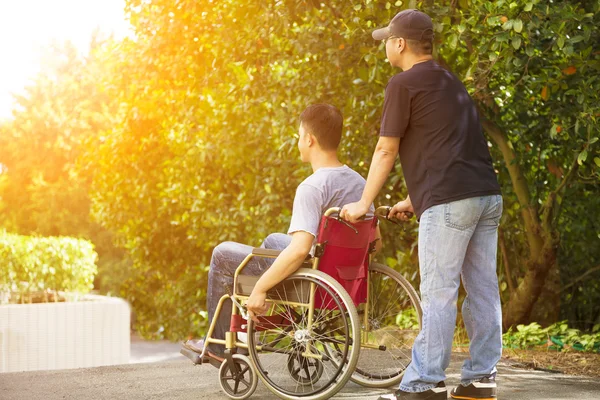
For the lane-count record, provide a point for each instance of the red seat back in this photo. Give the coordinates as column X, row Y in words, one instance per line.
column 345, row 255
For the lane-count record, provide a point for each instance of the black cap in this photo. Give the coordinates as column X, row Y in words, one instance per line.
column 407, row 24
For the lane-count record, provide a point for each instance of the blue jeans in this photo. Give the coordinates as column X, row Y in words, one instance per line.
column 457, row 240
column 226, row 257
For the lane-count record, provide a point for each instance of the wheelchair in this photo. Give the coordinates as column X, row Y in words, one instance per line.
column 337, row 318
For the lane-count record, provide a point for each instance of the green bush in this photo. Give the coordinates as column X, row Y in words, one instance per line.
column 557, row 336
column 45, row 264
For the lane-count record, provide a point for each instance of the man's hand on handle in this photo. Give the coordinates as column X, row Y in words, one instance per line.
column 401, row 210
column 257, row 304
column 354, row 211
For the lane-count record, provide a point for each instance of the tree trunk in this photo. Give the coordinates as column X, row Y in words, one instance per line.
column 542, row 243
column 520, row 304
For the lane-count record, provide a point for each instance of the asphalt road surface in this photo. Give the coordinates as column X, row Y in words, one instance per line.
column 158, row 372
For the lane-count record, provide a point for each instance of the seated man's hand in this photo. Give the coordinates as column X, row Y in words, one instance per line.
column 354, row 211
column 256, row 304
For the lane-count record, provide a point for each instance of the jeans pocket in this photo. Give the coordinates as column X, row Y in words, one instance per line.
column 462, row 214
column 498, row 211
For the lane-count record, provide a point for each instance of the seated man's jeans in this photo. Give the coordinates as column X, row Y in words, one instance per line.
column 225, row 259
column 457, row 240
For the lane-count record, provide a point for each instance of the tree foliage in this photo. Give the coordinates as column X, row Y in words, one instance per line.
column 533, row 68
column 41, row 191
column 199, row 145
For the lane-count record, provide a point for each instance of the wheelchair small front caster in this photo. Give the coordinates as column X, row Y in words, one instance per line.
column 238, row 381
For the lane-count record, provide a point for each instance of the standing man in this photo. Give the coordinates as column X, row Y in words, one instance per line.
column 430, row 120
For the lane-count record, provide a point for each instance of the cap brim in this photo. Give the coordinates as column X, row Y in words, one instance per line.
column 382, row 33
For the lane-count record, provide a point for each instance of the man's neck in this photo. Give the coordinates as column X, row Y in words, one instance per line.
column 325, row 160
column 409, row 63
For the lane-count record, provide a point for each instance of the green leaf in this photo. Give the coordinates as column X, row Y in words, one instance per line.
column 597, row 161
column 518, row 26
column 529, row 51
column 582, row 157
column 593, row 140
column 452, row 41
column 357, row 7
column 492, row 21
column 528, row 7
column 577, row 39
column 507, row 25
column 561, row 42
column 516, row 42
column 398, row 3
column 553, row 131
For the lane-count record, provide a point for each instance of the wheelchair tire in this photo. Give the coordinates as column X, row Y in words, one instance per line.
column 336, row 322
column 239, row 384
column 384, row 366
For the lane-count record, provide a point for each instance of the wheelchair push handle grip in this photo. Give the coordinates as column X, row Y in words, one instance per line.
column 337, row 210
column 333, row 210
column 383, row 212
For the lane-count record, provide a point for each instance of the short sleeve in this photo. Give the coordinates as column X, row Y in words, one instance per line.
column 396, row 110
column 306, row 214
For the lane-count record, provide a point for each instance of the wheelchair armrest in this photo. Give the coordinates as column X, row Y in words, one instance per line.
column 269, row 253
column 259, row 251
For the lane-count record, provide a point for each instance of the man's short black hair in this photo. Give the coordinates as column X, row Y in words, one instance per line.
column 421, row 47
column 324, row 122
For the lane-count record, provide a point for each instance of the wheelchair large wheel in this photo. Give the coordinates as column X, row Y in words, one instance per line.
column 289, row 349
column 392, row 325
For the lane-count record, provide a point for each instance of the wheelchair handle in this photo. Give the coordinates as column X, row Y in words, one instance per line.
column 383, row 212
column 333, row 210
column 243, row 311
column 337, row 210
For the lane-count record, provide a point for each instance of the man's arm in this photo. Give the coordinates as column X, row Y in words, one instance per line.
column 290, row 259
column 381, row 166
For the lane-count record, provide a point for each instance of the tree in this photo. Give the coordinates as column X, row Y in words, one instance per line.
column 203, row 146
column 41, row 189
column 533, row 69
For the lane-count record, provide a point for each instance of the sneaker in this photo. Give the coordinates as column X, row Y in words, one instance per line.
column 437, row 393
column 483, row 389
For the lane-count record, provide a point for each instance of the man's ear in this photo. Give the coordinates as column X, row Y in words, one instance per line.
column 310, row 139
column 401, row 45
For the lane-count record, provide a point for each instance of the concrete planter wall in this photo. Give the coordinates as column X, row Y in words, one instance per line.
column 91, row 332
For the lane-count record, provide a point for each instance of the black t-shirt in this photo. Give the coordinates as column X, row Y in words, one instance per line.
column 443, row 152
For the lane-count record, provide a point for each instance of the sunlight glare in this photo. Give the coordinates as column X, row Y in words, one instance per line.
column 28, row 26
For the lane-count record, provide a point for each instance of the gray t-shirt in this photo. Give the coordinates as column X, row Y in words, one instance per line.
column 326, row 188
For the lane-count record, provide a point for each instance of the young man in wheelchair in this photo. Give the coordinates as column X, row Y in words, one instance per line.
column 332, row 184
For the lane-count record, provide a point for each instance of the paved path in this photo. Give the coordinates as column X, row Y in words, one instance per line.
column 158, row 372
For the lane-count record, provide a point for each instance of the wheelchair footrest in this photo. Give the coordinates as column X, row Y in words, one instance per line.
column 192, row 355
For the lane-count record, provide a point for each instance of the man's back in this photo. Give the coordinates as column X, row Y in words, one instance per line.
column 443, row 152
column 326, row 188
